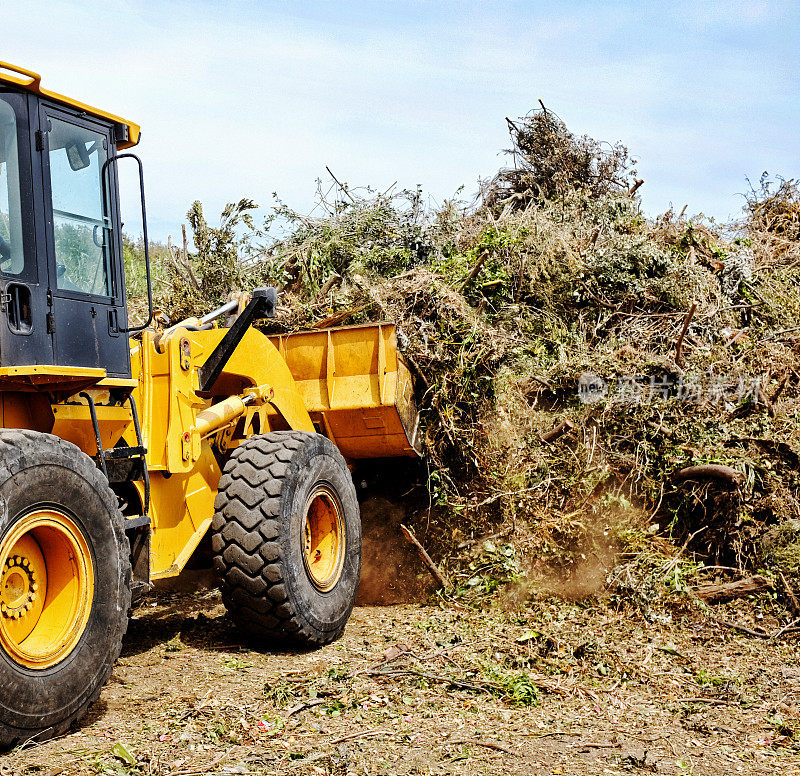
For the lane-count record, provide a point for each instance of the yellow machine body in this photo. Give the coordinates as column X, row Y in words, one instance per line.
column 348, row 384
column 160, row 410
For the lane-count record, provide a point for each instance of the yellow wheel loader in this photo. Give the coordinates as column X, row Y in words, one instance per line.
column 122, row 447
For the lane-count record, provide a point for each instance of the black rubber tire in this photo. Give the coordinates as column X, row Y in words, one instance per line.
column 257, row 538
column 41, row 470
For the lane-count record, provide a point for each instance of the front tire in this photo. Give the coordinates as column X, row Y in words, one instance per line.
column 65, row 585
column 287, row 538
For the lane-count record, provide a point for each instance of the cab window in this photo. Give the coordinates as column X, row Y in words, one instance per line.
column 81, row 226
column 12, row 257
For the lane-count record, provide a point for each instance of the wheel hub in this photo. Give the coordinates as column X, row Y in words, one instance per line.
column 46, row 588
column 323, row 539
column 18, row 587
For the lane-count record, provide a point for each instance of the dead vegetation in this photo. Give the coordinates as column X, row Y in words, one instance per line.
column 574, row 359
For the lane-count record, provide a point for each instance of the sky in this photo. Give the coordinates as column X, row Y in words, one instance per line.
column 249, row 98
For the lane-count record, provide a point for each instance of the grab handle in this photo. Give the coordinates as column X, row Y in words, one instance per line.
column 115, row 159
column 35, row 79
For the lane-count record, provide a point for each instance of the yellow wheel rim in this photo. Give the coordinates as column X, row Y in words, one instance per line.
column 324, row 539
column 46, row 588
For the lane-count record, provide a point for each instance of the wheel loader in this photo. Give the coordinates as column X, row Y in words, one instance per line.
column 123, row 446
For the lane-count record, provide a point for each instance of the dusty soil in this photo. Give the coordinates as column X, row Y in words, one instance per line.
column 551, row 689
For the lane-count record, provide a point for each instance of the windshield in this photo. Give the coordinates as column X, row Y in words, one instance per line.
column 12, row 259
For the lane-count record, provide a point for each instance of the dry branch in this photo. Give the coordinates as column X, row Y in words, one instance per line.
column 727, row 591
column 742, row 629
column 438, row 575
column 360, row 734
column 340, row 317
column 562, row 428
column 679, row 344
column 332, row 282
column 474, row 271
column 794, row 604
column 710, row 471
column 488, row 744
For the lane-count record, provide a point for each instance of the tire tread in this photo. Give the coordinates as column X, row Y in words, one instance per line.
column 246, row 539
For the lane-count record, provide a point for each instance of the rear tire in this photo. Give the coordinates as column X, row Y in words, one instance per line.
column 60, row 530
column 286, row 538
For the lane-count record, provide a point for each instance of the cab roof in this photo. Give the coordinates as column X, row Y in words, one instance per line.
column 30, row 81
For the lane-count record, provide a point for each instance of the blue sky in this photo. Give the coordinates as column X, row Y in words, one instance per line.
column 246, row 98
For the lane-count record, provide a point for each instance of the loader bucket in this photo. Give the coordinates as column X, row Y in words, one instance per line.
column 356, row 388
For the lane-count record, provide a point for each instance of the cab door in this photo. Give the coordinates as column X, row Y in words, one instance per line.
column 24, row 336
column 87, row 313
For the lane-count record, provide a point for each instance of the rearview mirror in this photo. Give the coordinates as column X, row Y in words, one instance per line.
column 78, row 156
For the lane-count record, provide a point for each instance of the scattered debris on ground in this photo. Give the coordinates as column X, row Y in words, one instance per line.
column 550, row 688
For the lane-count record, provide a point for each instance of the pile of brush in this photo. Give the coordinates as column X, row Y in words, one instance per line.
column 573, row 358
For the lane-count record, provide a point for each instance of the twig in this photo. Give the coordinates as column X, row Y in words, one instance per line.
column 340, row 185
column 496, row 497
column 780, row 333
column 794, row 604
column 775, row 396
column 438, row 575
column 736, row 626
column 790, row 628
column 387, row 190
column 388, row 660
column 305, row 705
column 673, row 562
column 489, row 688
column 475, row 270
column 488, row 744
column 564, row 427
column 486, row 688
column 679, row 344
column 710, row 701
column 658, row 505
column 360, row 734
column 660, row 429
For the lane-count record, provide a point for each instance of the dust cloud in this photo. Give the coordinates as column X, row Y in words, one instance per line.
column 391, row 571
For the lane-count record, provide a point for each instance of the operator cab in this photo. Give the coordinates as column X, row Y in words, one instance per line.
column 62, row 281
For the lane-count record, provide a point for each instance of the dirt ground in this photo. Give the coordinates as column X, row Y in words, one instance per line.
column 553, row 688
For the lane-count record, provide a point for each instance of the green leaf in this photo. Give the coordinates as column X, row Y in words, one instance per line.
column 123, row 753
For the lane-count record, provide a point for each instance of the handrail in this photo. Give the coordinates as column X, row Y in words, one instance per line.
column 150, row 307
column 35, row 78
